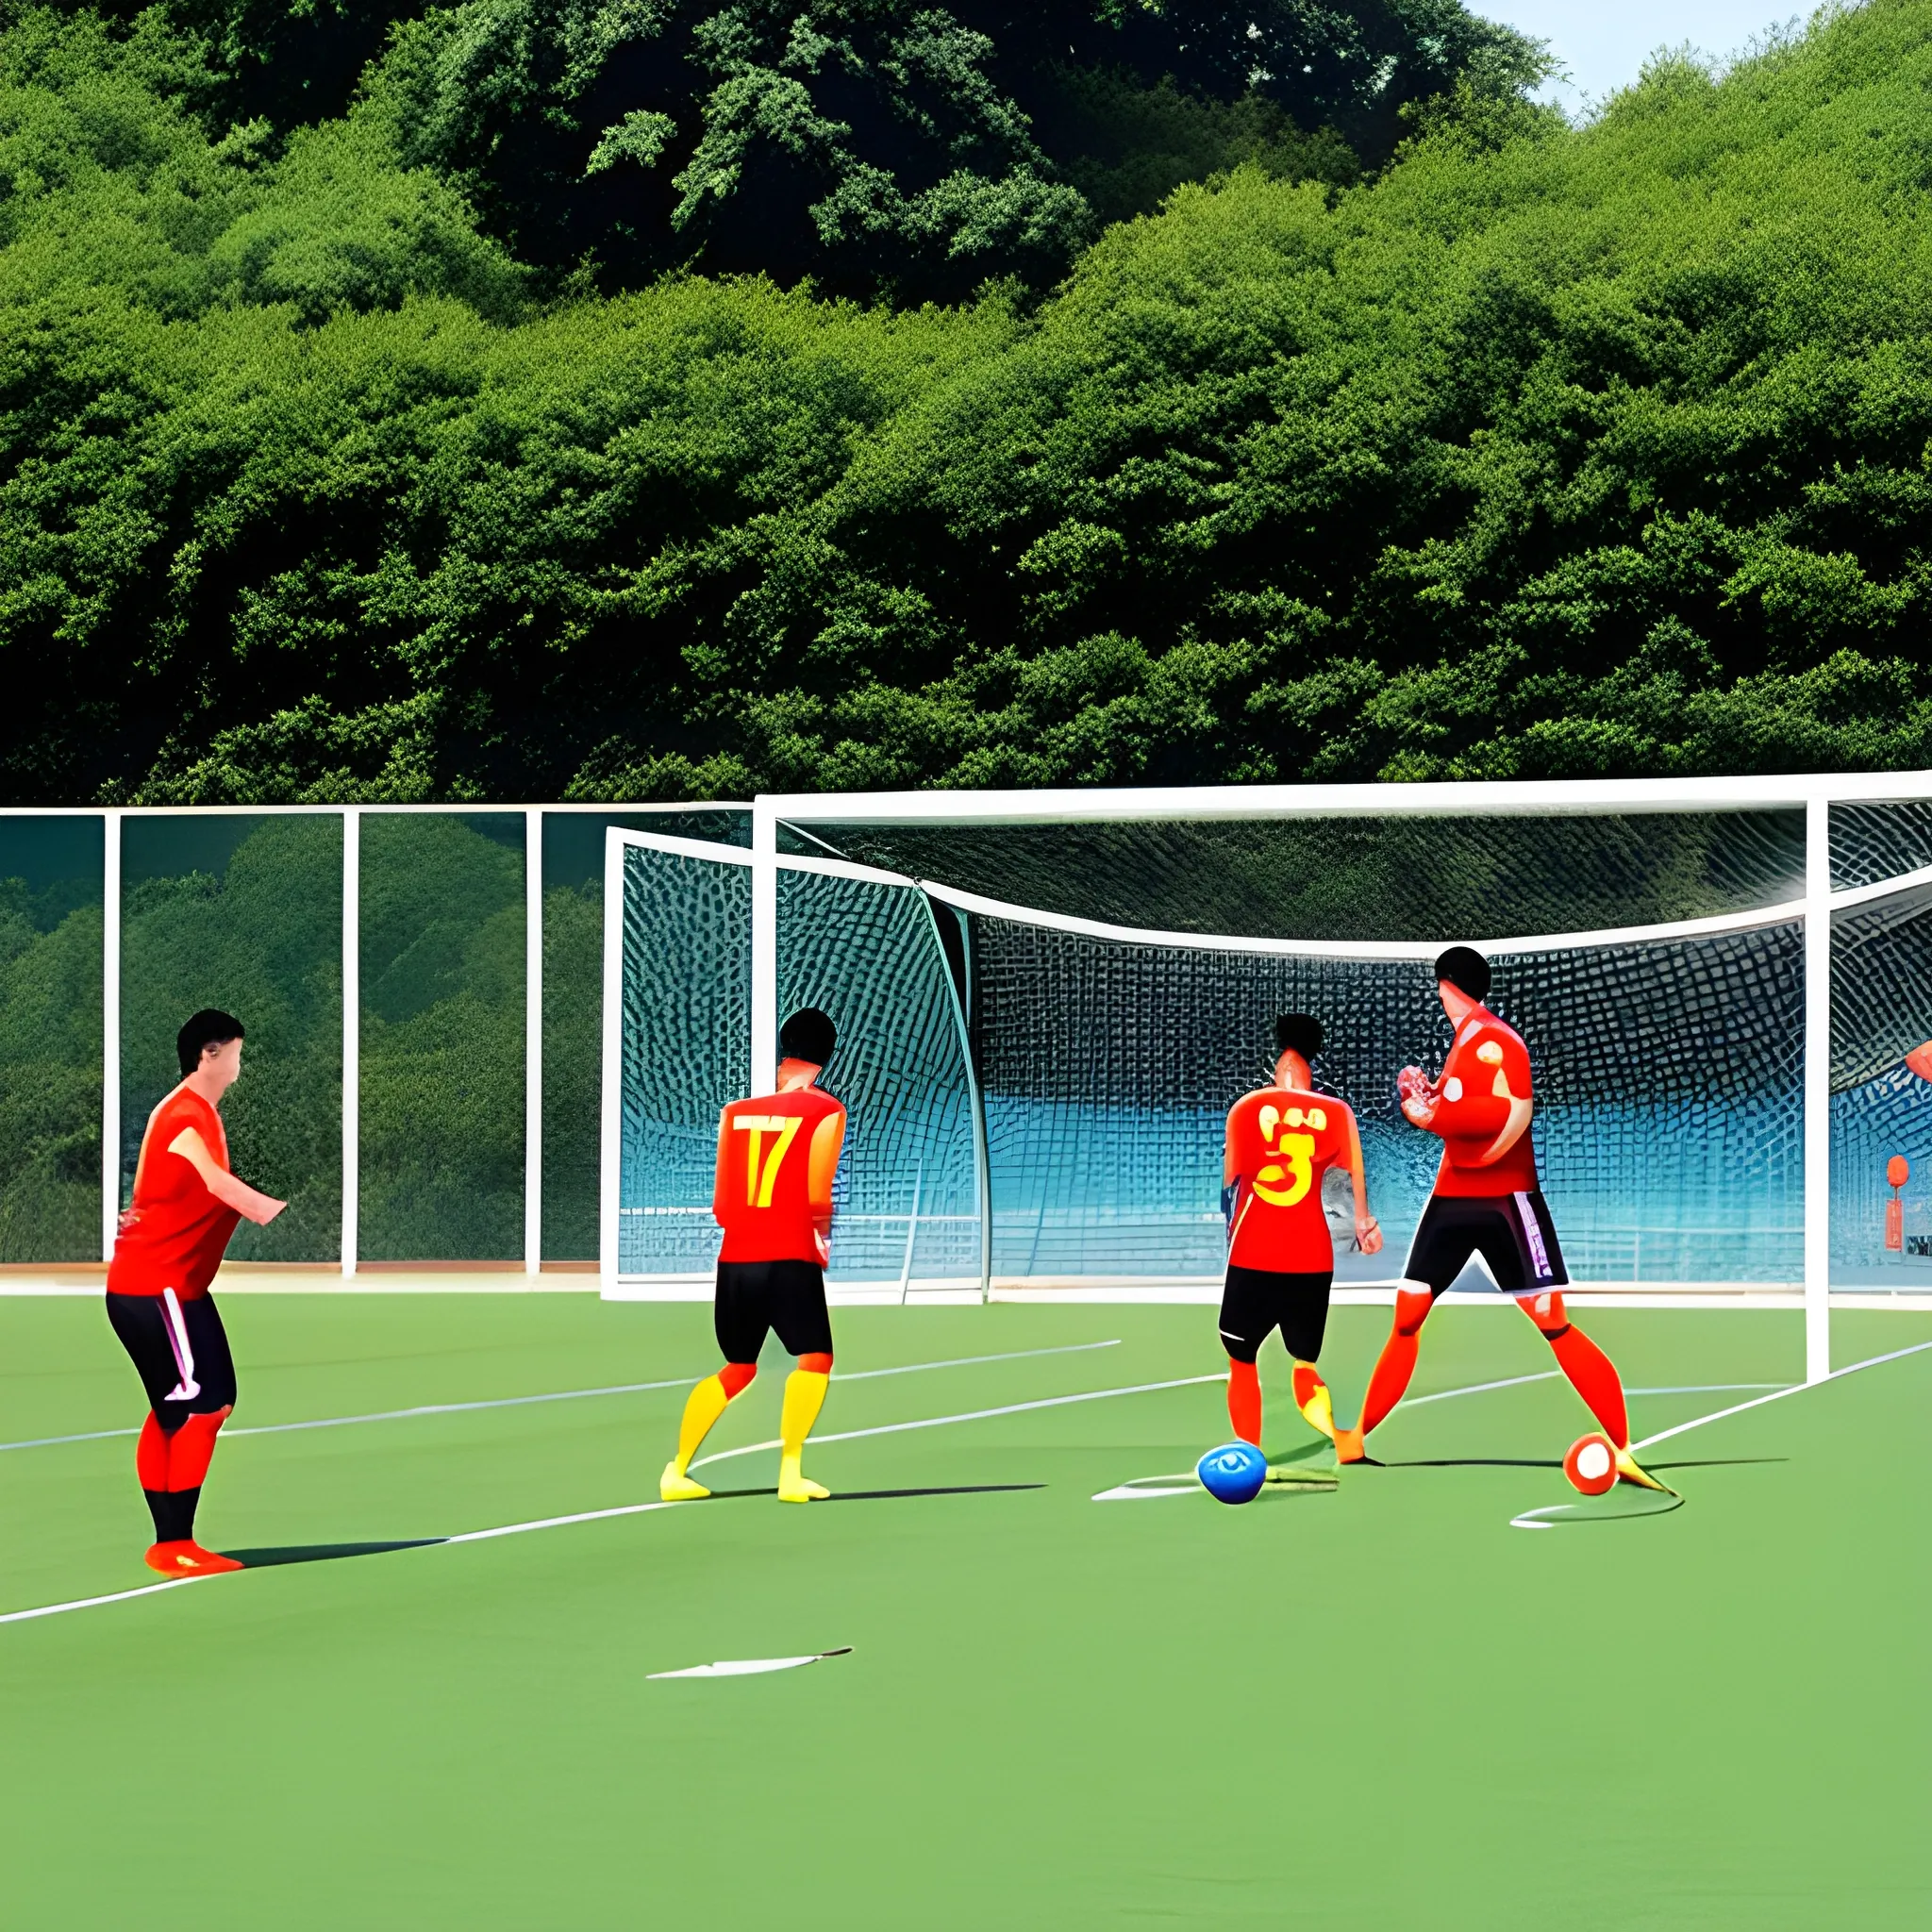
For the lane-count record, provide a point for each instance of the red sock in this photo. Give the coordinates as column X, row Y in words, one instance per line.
column 192, row 1448
column 151, row 1455
column 1244, row 1401
column 1397, row 1361
column 1594, row 1377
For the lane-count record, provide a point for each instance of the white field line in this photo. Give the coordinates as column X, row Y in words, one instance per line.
column 89, row 1603
column 1710, row 1388
column 1480, row 1388
column 971, row 1415
column 1132, row 1490
column 1779, row 1395
column 480, row 1536
column 395, row 1415
column 484, row 1536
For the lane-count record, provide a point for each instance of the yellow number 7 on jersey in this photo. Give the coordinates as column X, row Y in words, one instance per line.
column 760, row 1178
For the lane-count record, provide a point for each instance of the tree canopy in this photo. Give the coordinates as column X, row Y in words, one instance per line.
column 1512, row 448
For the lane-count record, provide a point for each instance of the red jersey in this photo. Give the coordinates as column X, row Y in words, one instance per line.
column 1284, row 1141
column 761, row 1197
column 179, row 1231
column 1487, row 1068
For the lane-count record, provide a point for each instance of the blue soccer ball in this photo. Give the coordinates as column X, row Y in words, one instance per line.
column 1233, row 1474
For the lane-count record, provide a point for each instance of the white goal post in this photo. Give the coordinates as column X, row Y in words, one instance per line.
column 801, row 816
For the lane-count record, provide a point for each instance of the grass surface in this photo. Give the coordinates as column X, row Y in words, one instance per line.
column 1379, row 1706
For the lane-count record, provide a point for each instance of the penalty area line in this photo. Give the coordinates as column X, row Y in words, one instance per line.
column 1779, row 1395
column 1541, row 1518
column 398, row 1415
column 971, row 1415
column 1138, row 1489
column 90, row 1603
column 481, row 1535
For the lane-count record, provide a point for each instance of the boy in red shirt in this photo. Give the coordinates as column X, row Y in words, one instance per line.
column 1486, row 1202
column 1281, row 1140
column 166, row 1250
column 777, row 1153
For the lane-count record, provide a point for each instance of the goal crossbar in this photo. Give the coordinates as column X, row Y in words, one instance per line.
column 808, row 815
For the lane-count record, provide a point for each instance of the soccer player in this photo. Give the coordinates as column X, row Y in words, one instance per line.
column 1487, row 1202
column 1281, row 1140
column 777, row 1153
column 166, row 1250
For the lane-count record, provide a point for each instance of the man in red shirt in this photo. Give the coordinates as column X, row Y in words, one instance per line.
column 1486, row 1202
column 168, row 1246
column 1281, row 1140
column 777, row 1153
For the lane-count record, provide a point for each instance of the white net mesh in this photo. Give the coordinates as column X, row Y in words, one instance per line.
column 868, row 954
column 1360, row 878
column 1872, row 842
column 1669, row 1126
column 1881, row 994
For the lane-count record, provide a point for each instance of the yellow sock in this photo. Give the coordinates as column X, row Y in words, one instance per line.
column 703, row 1407
column 805, row 1395
column 1311, row 1398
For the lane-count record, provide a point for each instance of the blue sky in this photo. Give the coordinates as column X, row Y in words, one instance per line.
column 1605, row 45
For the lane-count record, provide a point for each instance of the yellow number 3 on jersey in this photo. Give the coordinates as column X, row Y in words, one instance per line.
column 761, row 1175
column 1298, row 1150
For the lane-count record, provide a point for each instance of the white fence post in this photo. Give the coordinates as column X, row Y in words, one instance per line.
column 351, row 1036
column 1818, row 1087
column 533, row 1040
column 111, row 1032
column 609, row 1141
column 765, row 947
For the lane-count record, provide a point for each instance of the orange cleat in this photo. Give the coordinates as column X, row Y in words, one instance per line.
column 1348, row 1447
column 188, row 1559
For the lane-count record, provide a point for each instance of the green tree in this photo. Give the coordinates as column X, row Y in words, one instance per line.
column 901, row 146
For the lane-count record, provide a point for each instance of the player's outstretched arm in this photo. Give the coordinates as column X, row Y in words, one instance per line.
column 828, row 1144
column 1368, row 1230
column 228, row 1189
column 718, row 1168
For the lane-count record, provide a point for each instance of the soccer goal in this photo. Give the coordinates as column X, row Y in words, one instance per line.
column 1047, row 1000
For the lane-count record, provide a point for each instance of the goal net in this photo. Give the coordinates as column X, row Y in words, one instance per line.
column 868, row 949
column 1037, row 1085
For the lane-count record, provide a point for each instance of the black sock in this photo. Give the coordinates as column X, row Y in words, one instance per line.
column 174, row 1514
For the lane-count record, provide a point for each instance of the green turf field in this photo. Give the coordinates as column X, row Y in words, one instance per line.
column 1377, row 1707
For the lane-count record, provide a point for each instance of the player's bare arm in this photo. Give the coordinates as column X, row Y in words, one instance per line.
column 1368, row 1230
column 827, row 1142
column 229, row 1190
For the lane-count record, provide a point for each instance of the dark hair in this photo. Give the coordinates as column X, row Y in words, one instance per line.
column 1466, row 969
column 209, row 1028
column 808, row 1035
column 1298, row 1033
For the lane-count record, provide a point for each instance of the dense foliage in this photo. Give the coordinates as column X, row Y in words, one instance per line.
column 894, row 146
column 1545, row 450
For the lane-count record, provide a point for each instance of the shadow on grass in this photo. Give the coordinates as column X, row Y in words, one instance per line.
column 1718, row 1462
column 893, row 1495
column 323, row 1553
column 1474, row 1462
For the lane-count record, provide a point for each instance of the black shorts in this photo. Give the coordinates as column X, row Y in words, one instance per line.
column 754, row 1298
column 1514, row 1233
column 146, row 1332
column 1257, row 1301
